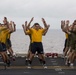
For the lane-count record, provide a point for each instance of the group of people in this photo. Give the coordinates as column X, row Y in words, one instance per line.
column 70, row 41
column 6, row 28
column 35, row 34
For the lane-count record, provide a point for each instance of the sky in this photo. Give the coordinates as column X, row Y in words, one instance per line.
column 53, row 11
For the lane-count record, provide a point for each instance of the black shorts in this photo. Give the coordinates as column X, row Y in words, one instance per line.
column 8, row 43
column 2, row 47
column 37, row 47
column 30, row 46
column 73, row 44
column 65, row 44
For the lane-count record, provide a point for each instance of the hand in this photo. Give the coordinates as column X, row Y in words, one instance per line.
column 43, row 20
column 62, row 22
column 5, row 18
column 11, row 22
column 48, row 26
column 23, row 25
column 67, row 22
column 32, row 19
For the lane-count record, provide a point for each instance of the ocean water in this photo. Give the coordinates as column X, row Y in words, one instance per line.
column 53, row 41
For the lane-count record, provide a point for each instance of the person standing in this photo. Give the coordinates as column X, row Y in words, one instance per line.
column 36, row 35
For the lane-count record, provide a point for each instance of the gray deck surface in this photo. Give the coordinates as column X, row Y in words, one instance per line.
column 55, row 66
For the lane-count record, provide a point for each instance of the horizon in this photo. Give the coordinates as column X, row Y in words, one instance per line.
column 53, row 12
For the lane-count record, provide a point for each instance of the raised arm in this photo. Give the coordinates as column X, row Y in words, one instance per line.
column 5, row 21
column 65, row 26
column 46, row 30
column 25, row 28
column 30, row 22
column 62, row 24
column 44, row 22
column 14, row 27
column 46, row 27
column 10, row 26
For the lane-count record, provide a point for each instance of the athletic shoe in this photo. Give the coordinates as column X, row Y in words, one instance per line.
column 29, row 66
column 8, row 63
column 67, row 63
column 13, row 58
column 71, row 65
column 44, row 65
column 26, row 62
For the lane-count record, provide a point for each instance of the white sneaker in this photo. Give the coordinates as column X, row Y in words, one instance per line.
column 45, row 67
column 67, row 63
column 29, row 66
column 72, row 65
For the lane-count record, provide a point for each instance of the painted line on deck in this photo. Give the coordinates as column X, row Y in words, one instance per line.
column 38, row 67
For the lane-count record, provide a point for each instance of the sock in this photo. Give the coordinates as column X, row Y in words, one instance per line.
column 29, row 61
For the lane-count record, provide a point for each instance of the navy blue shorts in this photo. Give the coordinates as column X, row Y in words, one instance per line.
column 8, row 43
column 30, row 46
column 37, row 47
column 2, row 47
